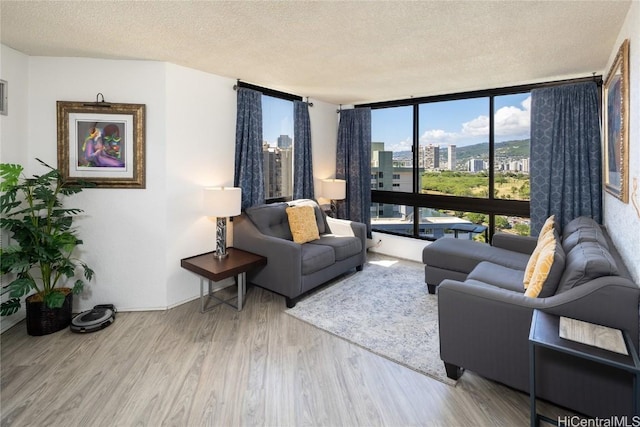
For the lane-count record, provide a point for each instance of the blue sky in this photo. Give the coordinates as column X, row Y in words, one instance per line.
column 462, row 122
column 277, row 119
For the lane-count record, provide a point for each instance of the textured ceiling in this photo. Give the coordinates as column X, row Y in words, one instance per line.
column 339, row 52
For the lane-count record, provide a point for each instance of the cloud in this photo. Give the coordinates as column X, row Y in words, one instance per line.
column 404, row 145
column 439, row 136
column 511, row 121
column 514, row 121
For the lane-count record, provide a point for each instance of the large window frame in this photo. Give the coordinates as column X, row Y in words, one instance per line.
column 491, row 206
column 274, row 94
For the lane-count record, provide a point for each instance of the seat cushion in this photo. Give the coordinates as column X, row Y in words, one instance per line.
column 316, row 257
column 463, row 255
column 498, row 275
column 343, row 246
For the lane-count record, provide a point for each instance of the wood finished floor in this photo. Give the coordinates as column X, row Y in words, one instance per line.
column 227, row 368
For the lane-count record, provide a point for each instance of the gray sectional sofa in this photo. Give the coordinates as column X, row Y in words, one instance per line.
column 293, row 269
column 484, row 316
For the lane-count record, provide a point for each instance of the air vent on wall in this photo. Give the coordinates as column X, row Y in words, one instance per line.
column 3, row 98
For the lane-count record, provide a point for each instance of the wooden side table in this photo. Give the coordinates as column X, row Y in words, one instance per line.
column 208, row 267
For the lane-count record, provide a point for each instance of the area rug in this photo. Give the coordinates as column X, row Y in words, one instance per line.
column 385, row 309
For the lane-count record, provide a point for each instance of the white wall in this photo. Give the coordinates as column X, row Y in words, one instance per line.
column 14, row 68
column 622, row 220
column 324, row 136
column 134, row 238
column 124, row 230
column 201, row 117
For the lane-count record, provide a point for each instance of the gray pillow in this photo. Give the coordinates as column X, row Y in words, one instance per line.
column 271, row 219
column 550, row 285
column 585, row 262
column 591, row 234
column 578, row 223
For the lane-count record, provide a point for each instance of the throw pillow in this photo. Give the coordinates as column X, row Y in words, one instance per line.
column 543, row 240
column 548, row 225
column 302, row 221
column 548, row 269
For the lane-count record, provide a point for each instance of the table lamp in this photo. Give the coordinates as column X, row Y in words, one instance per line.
column 222, row 202
column 334, row 189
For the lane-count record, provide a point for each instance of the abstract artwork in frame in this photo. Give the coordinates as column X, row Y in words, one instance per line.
column 102, row 143
column 616, row 126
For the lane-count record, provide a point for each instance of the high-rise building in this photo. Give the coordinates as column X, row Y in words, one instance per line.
column 284, row 141
column 381, row 178
column 430, row 156
column 476, row 165
column 278, row 174
column 451, row 154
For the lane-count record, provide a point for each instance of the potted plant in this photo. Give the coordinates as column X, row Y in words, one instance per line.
column 40, row 256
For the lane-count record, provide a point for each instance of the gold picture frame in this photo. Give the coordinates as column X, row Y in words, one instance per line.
column 615, row 118
column 102, row 143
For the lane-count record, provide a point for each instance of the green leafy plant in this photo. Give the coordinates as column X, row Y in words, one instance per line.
column 40, row 255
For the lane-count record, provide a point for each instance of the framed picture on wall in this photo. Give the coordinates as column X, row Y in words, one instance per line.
column 616, row 125
column 103, row 143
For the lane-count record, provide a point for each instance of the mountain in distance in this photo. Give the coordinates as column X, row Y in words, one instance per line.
column 515, row 149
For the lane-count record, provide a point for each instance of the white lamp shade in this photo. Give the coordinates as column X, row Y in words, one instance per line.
column 222, row 201
column 334, row 189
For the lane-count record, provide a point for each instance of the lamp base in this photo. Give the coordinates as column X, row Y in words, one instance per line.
column 221, row 239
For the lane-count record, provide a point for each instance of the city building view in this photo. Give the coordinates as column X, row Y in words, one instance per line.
column 277, row 147
column 452, row 159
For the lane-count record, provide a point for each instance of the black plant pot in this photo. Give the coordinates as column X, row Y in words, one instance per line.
column 42, row 320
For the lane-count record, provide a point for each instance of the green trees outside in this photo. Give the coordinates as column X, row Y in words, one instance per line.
column 467, row 184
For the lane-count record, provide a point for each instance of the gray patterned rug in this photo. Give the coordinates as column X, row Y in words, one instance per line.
column 385, row 309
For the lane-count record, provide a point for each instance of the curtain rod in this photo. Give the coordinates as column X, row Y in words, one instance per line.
column 270, row 92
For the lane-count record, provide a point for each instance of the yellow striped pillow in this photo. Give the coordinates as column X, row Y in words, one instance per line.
column 542, row 268
column 548, row 225
column 531, row 264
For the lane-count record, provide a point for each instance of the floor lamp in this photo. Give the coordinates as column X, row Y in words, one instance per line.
column 222, row 202
column 334, row 189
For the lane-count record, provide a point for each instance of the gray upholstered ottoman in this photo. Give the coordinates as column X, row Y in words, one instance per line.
column 449, row 258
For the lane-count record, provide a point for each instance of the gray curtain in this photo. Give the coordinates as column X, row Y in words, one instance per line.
column 249, row 167
column 566, row 166
column 353, row 164
column 302, row 161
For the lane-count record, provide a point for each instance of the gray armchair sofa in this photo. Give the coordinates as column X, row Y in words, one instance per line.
column 484, row 316
column 293, row 269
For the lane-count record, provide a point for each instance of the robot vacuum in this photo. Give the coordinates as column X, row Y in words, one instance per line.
column 93, row 320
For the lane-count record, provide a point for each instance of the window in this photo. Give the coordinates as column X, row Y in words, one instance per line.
column 277, row 148
column 278, row 141
column 512, row 115
column 460, row 158
column 454, row 147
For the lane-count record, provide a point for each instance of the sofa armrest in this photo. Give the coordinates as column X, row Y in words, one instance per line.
column 514, row 242
column 609, row 301
column 283, row 271
column 485, row 329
